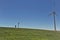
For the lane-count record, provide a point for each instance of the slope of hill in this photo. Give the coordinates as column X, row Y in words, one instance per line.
column 28, row 34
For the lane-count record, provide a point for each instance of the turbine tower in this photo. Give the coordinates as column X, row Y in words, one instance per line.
column 54, row 14
column 18, row 24
column 54, row 18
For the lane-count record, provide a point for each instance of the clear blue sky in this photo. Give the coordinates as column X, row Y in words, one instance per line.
column 30, row 13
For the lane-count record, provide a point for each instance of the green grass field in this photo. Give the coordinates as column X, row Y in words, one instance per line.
column 28, row 34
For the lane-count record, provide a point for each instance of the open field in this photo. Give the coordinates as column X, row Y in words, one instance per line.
column 28, row 34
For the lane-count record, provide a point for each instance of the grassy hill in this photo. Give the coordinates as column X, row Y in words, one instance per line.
column 28, row 34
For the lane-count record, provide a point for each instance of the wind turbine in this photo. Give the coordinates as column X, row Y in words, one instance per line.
column 19, row 21
column 18, row 24
column 54, row 15
column 54, row 19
